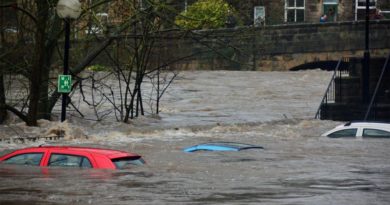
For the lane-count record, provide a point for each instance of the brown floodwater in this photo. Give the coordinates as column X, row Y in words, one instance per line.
column 271, row 109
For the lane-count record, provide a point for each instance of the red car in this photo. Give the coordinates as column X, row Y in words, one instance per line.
column 69, row 156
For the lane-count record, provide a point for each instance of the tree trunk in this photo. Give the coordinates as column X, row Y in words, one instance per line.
column 44, row 111
column 37, row 68
column 44, row 107
column 3, row 111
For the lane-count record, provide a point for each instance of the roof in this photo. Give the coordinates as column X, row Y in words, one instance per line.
column 106, row 152
column 356, row 125
column 367, row 124
column 221, row 146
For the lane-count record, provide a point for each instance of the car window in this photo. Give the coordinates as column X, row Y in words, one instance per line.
column 121, row 163
column 367, row 132
column 64, row 160
column 344, row 133
column 26, row 159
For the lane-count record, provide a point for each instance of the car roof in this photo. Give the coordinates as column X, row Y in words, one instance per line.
column 221, row 146
column 368, row 124
column 110, row 153
column 356, row 125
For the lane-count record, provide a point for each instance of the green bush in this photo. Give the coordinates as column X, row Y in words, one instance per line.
column 206, row 14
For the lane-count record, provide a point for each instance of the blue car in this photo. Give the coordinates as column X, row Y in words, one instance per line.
column 221, row 146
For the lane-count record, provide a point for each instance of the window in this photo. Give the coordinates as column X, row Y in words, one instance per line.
column 375, row 133
column 330, row 9
column 294, row 10
column 122, row 163
column 331, row 1
column 26, row 159
column 360, row 6
column 344, row 133
column 64, row 160
column 259, row 15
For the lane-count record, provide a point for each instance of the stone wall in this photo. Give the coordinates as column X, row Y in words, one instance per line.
column 275, row 48
column 285, row 46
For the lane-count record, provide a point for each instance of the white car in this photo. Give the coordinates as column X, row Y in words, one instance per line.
column 360, row 129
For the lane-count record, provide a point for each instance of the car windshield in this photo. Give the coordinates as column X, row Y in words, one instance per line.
column 121, row 163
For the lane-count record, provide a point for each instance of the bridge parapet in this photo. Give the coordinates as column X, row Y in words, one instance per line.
column 274, row 47
column 282, row 47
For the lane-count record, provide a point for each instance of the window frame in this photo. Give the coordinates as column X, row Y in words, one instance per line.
column 357, row 7
column 364, row 1
column 331, row 2
column 294, row 8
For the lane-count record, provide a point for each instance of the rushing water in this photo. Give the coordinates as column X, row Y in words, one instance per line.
column 271, row 109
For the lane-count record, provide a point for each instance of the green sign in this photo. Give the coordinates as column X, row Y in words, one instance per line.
column 64, row 83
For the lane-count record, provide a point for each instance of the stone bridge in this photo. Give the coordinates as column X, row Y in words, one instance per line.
column 266, row 48
column 277, row 48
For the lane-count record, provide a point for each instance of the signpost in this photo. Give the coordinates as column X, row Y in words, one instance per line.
column 64, row 83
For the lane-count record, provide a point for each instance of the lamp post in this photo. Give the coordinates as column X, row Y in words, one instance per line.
column 67, row 10
column 366, row 66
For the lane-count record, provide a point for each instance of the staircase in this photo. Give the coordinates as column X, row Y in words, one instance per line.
column 343, row 99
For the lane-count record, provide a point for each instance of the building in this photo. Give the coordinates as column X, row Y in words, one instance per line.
column 307, row 11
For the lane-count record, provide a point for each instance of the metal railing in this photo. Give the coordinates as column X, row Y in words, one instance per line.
column 377, row 88
column 330, row 93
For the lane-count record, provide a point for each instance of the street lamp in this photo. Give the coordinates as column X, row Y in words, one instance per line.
column 366, row 66
column 67, row 10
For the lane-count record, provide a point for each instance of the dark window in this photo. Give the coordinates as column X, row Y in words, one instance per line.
column 362, row 3
column 290, row 15
column 300, row 15
column 300, row 3
column 290, row 3
column 27, row 159
column 344, row 133
column 375, row 133
column 64, row 160
column 294, row 10
column 122, row 163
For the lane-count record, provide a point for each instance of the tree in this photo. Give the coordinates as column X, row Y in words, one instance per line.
column 206, row 14
column 132, row 43
column 39, row 29
column 39, row 33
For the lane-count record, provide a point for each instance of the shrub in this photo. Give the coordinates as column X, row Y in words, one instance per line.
column 206, row 14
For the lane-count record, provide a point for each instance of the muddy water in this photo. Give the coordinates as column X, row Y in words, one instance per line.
column 296, row 166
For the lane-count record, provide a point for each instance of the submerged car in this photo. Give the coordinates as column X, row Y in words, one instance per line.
column 360, row 129
column 70, row 156
column 221, row 146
